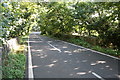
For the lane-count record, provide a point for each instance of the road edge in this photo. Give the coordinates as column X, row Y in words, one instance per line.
column 90, row 49
column 30, row 70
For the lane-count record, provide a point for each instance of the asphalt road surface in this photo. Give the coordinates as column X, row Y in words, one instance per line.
column 57, row 59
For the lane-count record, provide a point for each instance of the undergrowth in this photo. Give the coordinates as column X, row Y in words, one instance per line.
column 14, row 66
column 81, row 42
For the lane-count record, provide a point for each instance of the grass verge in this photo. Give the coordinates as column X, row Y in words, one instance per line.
column 14, row 66
column 109, row 51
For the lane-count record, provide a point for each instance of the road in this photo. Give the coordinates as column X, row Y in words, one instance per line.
column 58, row 59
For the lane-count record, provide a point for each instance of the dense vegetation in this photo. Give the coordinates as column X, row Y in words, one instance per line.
column 15, row 19
column 15, row 23
column 14, row 66
column 100, row 20
column 96, row 25
column 86, row 19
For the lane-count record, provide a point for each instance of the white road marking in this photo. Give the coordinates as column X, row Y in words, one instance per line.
column 38, row 37
column 90, row 50
column 30, row 69
column 97, row 76
column 54, row 47
column 49, row 44
column 35, row 32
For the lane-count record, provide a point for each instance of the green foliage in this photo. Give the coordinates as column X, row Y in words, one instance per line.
column 14, row 66
column 16, row 19
column 107, row 50
column 98, row 19
column 101, row 17
column 81, row 42
column 86, row 18
column 57, row 20
column 23, row 40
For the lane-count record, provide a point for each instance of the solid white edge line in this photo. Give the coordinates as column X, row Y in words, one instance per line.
column 30, row 70
column 91, row 50
column 97, row 75
column 54, row 47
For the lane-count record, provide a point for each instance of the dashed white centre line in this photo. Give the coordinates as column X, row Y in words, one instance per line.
column 54, row 47
column 49, row 44
column 98, row 76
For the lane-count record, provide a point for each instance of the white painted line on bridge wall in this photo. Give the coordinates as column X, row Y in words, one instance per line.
column 54, row 47
column 95, row 74
column 91, row 50
column 30, row 69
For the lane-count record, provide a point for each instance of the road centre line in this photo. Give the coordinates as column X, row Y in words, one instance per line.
column 89, row 49
column 95, row 74
column 49, row 44
column 30, row 69
column 54, row 47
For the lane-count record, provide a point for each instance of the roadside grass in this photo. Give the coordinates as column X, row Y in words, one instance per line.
column 14, row 64
column 109, row 51
column 81, row 42
column 23, row 40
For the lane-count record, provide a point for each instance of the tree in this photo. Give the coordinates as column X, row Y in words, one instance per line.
column 57, row 20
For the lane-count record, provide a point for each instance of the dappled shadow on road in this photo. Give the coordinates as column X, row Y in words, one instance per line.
column 69, row 65
column 72, row 62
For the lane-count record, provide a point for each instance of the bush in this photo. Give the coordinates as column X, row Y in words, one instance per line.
column 14, row 66
column 82, row 42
